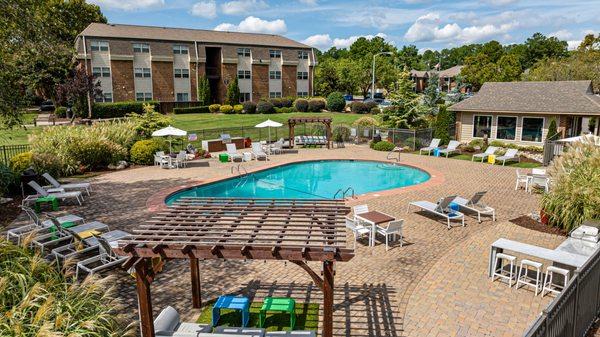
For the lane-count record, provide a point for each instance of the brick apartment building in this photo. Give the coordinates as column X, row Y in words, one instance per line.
column 164, row 64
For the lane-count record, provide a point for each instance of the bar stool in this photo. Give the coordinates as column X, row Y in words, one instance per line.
column 500, row 272
column 524, row 278
column 551, row 287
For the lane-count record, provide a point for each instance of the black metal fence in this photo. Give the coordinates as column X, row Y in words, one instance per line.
column 166, row 107
column 9, row 151
column 573, row 311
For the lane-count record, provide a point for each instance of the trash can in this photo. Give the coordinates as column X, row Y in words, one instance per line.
column 28, row 175
column 377, row 138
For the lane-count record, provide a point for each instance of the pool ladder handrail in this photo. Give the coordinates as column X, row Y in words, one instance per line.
column 238, row 168
column 390, row 157
column 349, row 189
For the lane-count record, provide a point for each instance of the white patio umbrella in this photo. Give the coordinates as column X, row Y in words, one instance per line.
column 169, row 131
column 268, row 124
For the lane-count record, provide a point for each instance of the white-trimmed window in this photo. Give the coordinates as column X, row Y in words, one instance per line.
column 302, row 94
column 302, row 75
column 182, row 73
column 507, row 127
column 182, row 97
column 99, row 46
column 532, row 129
column 141, row 48
column 275, row 54
column 179, row 49
column 245, row 52
column 275, row 75
column 143, row 96
column 104, row 98
column 244, row 97
column 142, row 72
column 482, row 125
column 276, row 94
column 244, row 74
column 101, row 71
column 303, row 55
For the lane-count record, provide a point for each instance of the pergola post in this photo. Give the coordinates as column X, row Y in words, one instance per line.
column 291, row 133
column 196, row 284
column 327, row 298
column 142, row 281
column 328, row 131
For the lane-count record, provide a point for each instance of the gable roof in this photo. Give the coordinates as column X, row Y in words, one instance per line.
column 559, row 97
column 184, row 34
column 450, row 72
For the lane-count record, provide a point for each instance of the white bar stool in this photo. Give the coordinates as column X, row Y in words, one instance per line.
column 525, row 279
column 552, row 287
column 500, row 272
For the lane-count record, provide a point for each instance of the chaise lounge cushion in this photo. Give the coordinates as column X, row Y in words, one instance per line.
column 167, row 321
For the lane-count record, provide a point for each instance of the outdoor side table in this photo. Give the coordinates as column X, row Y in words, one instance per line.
column 279, row 304
column 492, row 159
column 223, row 158
column 247, row 156
column 47, row 199
column 231, row 302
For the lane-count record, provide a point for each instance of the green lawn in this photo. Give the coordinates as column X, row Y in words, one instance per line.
column 16, row 136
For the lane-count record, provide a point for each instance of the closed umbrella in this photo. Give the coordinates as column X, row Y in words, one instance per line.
column 169, row 131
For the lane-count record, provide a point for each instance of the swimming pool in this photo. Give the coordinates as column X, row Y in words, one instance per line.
column 311, row 179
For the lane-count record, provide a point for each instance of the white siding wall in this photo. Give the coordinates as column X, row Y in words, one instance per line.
column 245, row 63
column 302, row 85
column 142, row 60
column 102, row 59
column 276, row 64
column 181, row 85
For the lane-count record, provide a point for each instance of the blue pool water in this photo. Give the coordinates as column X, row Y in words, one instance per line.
column 309, row 180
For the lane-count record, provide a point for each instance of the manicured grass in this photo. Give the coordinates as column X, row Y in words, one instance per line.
column 468, row 156
column 16, row 136
column 307, row 317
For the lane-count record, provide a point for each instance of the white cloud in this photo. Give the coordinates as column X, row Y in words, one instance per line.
column 324, row 41
column 321, row 41
column 562, row 34
column 308, row 2
column 238, row 7
column 498, row 2
column 573, row 44
column 253, row 24
column 205, row 9
column 129, row 5
column 345, row 43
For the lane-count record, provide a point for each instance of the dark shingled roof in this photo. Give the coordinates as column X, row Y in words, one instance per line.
column 181, row 34
column 558, row 97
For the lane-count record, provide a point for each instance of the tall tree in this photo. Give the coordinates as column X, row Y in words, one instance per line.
column 408, row 111
column 233, row 92
column 432, row 95
column 80, row 89
column 203, row 90
column 539, row 47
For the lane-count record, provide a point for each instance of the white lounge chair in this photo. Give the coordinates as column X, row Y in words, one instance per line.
column 232, row 331
column 488, row 152
column 82, row 186
column 258, row 152
column 37, row 225
column 452, row 147
column 232, row 152
column 475, row 205
column 80, row 246
column 440, row 209
column 510, row 155
column 357, row 229
column 58, row 193
column 60, row 237
column 106, row 259
column 168, row 323
column 277, row 147
column 393, row 228
column 435, row 143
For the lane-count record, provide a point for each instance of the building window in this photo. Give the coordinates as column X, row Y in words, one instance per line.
column 104, row 98
column 142, row 72
column 276, row 94
column 507, row 128
column 302, row 94
column 244, row 97
column 178, row 49
column 482, row 125
column 275, row 75
column 141, row 48
column 99, row 46
column 302, row 75
column 245, row 52
column 303, row 55
column 101, row 71
column 244, row 74
column 532, row 129
column 275, row 54
column 143, row 96
column 182, row 73
column 182, row 97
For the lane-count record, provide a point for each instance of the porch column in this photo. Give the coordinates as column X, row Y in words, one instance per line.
column 144, row 299
column 327, row 298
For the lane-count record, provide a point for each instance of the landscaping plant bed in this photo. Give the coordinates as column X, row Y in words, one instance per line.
column 529, row 223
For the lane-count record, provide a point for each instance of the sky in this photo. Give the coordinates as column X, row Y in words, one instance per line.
column 428, row 24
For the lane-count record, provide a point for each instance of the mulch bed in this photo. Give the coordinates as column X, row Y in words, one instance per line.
column 527, row 222
column 9, row 211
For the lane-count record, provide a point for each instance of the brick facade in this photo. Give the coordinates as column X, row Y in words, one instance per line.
column 122, row 77
column 260, row 82
column 162, row 81
column 193, row 83
column 288, row 76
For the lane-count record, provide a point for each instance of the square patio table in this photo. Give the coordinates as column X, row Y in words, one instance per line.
column 231, row 302
column 374, row 218
column 278, row 304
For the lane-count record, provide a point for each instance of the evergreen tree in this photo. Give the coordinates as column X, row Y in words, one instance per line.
column 443, row 122
column 552, row 130
column 233, row 93
column 408, row 111
column 203, row 91
column 432, row 95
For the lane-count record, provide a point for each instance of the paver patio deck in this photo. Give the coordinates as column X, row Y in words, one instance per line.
column 435, row 285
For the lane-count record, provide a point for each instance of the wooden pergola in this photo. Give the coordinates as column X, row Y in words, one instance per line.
column 295, row 230
column 299, row 120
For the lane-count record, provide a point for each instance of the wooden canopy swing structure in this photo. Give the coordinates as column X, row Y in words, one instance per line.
column 299, row 120
column 295, row 230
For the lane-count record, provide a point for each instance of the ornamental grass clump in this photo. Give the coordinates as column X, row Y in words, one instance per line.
column 36, row 299
column 575, row 193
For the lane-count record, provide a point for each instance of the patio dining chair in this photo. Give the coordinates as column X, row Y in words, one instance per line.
column 522, row 179
column 357, row 229
column 537, row 180
column 393, row 229
column 181, row 159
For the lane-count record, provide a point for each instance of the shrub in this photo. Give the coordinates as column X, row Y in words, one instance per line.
column 264, row 107
column 21, row 162
column 441, row 127
column 44, row 162
column 552, row 130
column 375, row 111
column 341, row 133
column 238, row 108
column 249, row 107
column 192, row 110
column 60, row 112
column 370, row 105
column 301, row 105
column 214, row 108
column 94, row 153
column 413, row 143
column 119, row 109
column 149, row 121
column 233, row 92
column 203, row 90
column 7, row 179
column 226, row 109
column 316, row 104
column 287, row 102
column 284, row 110
column 478, row 144
column 142, row 152
column 575, row 194
column 277, row 102
column 384, row 146
column 365, row 121
column 359, row 108
column 336, row 102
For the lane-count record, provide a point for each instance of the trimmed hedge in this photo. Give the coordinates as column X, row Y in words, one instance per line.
column 383, row 146
column 192, row 110
column 249, row 107
column 359, row 108
column 316, row 104
column 238, row 109
column 119, row 109
column 336, row 102
column 301, row 105
column 264, row 107
column 226, row 109
column 142, row 152
column 214, row 108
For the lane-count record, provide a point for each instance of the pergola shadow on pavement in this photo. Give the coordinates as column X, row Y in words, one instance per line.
column 295, row 230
